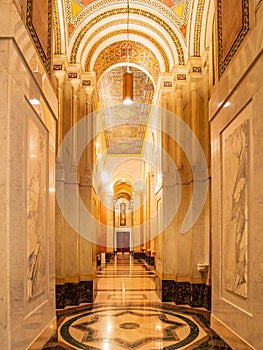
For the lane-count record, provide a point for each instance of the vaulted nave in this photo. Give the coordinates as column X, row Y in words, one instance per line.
column 131, row 174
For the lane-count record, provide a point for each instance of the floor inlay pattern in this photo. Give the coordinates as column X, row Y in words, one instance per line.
column 133, row 327
column 127, row 314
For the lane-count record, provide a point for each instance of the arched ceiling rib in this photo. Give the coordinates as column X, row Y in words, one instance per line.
column 184, row 21
column 167, row 29
column 60, row 28
column 142, row 57
column 165, row 32
column 122, row 189
column 131, row 66
column 175, row 11
column 117, row 32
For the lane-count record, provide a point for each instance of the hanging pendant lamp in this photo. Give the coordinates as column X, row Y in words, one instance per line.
column 127, row 93
column 127, row 88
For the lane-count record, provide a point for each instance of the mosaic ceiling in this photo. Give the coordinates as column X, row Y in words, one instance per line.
column 123, row 51
column 124, row 128
column 178, row 23
column 162, row 34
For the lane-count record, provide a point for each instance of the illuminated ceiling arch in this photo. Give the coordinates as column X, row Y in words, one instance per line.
column 123, row 189
column 149, row 45
column 171, row 30
column 78, row 10
column 168, row 30
column 184, row 20
column 141, row 56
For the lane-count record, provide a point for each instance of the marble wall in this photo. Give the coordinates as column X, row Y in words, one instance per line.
column 178, row 253
column 236, row 112
column 27, row 146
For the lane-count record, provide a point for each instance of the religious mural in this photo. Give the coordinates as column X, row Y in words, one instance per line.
column 235, row 216
column 36, row 208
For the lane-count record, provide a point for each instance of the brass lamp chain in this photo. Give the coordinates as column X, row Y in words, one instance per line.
column 128, row 34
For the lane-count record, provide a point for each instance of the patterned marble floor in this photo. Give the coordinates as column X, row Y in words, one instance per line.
column 127, row 314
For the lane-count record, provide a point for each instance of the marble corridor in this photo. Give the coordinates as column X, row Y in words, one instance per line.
column 127, row 314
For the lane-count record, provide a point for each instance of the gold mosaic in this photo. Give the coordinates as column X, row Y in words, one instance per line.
column 124, row 132
column 164, row 25
column 111, row 25
column 120, row 52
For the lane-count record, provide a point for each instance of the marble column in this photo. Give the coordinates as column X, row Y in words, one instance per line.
column 176, row 266
column 76, row 255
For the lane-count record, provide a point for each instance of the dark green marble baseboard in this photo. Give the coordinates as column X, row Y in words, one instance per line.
column 193, row 294
column 73, row 294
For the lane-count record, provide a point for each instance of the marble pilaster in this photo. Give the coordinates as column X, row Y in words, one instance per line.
column 76, row 255
column 236, row 105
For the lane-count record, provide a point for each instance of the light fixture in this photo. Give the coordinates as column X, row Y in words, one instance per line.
column 35, row 86
column 127, row 88
column 127, row 94
column 34, row 101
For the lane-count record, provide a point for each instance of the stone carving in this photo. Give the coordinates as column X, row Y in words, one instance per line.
column 36, row 208
column 236, row 152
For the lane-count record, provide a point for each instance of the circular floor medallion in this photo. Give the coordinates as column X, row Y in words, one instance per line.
column 175, row 330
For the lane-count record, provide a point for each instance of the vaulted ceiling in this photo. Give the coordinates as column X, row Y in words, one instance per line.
column 162, row 35
column 169, row 31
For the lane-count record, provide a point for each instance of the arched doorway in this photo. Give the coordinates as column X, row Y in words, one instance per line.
column 123, row 216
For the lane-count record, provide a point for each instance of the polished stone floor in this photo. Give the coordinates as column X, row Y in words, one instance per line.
column 127, row 314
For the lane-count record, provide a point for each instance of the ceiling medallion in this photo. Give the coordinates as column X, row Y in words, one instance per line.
column 126, row 52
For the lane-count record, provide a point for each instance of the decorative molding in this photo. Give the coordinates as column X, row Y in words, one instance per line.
column 133, row 11
column 86, row 82
column 102, row 63
column 57, row 66
column 198, row 26
column 181, row 76
column 197, row 69
column 45, row 55
column 167, row 83
column 157, row 5
column 57, row 29
column 72, row 75
column 224, row 61
column 136, row 22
